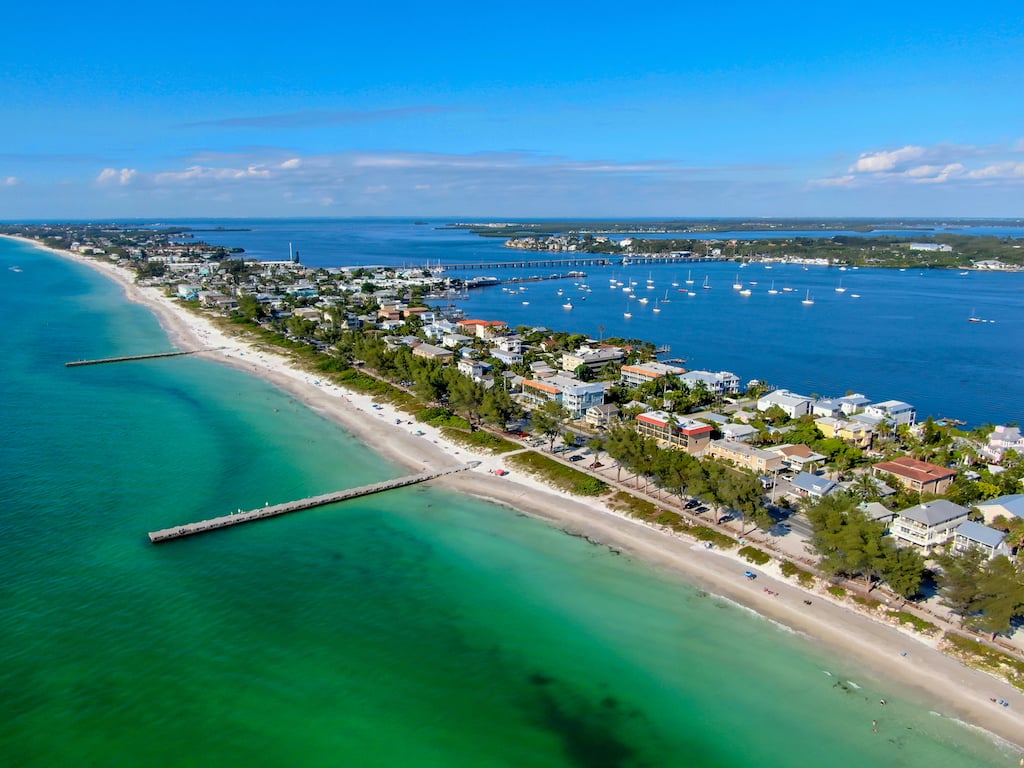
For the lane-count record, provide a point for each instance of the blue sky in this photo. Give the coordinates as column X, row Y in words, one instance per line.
column 513, row 110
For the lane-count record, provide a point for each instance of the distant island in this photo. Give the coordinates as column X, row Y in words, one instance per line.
column 941, row 249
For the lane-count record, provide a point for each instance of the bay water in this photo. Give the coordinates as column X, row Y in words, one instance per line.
column 890, row 334
column 409, row 628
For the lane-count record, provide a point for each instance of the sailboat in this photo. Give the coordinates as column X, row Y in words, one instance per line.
column 737, row 286
column 643, row 299
column 627, row 314
column 840, row 289
column 808, row 300
column 706, row 286
column 666, row 300
column 689, row 277
column 973, row 318
column 772, row 290
column 675, row 283
column 745, row 292
column 567, row 305
column 656, row 307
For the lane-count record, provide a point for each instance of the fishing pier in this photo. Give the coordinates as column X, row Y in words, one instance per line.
column 226, row 521
column 130, row 358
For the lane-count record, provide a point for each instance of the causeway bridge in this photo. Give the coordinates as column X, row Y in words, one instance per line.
column 226, row 521
column 681, row 257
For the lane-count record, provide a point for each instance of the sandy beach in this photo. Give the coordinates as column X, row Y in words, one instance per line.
column 911, row 664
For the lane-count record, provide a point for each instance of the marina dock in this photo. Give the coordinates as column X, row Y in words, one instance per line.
column 226, row 521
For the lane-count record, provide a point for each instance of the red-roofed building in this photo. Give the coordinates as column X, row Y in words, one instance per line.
column 483, row 329
column 677, row 432
column 917, row 475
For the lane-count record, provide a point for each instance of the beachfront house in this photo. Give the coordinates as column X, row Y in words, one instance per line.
column 972, row 535
column 720, row 383
column 1001, row 440
column 893, row 411
column 794, row 406
column 573, row 395
column 851, row 404
column 917, row 475
column 929, row 525
column 675, row 431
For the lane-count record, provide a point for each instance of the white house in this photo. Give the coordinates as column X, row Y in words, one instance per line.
column 1003, row 439
column 792, row 405
column 894, row 411
column 930, row 524
column 721, row 383
column 971, row 535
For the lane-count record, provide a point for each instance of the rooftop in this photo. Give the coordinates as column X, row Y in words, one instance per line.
column 915, row 469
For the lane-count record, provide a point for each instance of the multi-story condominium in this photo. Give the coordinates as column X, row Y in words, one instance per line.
column 675, row 431
column 641, row 373
column 594, row 359
column 721, row 383
column 917, row 475
column 743, row 455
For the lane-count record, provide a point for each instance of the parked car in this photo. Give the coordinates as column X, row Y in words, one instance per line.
column 595, row 465
column 576, row 457
column 691, row 504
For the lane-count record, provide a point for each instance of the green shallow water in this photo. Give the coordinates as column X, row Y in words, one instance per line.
column 412, row 628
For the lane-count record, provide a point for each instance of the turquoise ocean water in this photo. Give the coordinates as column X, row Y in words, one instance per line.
column 409, row 629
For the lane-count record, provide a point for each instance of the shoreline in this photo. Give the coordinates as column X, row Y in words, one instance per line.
column 933, row 678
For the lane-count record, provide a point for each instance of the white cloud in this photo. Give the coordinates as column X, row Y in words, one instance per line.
column 1007, row 170
column 112, row 176
column 836, row 181
column 875, row 162
column 206, row 173
column 12, row 181
column 934, row 164
column 288, row 165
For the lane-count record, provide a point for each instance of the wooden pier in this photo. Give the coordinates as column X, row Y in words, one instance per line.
column 216, row 523
column 129, row 358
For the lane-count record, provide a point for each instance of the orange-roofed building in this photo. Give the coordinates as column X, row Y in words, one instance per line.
column 484, row 329
column 917, row 475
